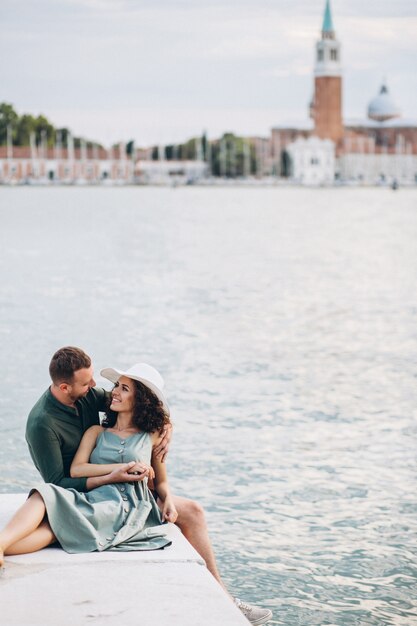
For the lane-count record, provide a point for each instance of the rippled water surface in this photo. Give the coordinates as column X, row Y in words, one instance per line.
column 285, row 324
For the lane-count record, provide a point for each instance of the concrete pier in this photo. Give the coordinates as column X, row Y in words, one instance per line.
column 153, row 588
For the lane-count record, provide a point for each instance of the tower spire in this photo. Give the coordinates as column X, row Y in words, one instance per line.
column 327, row 30
column 326, row 108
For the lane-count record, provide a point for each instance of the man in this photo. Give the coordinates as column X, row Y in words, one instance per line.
column 54, row 430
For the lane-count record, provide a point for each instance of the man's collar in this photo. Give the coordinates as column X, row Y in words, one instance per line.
column 61, row 405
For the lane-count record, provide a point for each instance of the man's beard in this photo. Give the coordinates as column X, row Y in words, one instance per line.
column 74, row 397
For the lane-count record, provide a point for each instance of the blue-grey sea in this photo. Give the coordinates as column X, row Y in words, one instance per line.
column 284, row 322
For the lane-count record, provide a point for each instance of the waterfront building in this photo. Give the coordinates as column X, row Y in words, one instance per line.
column 380, row 148
column 92, row 165
column 326, row 105
column 84, row 165
column 313, row 161
column 170, row 172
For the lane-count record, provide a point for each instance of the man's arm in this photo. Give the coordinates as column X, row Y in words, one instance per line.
column 161, row 448
column 45, row 451
column 169, row 512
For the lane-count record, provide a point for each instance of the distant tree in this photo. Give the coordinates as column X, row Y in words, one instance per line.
column 232, row 149
column 204, row 142
column 130, row 147
column 26, row 125
column 215, row 158
column 22, row 127
column 8, row 117
column 44, row 127
column 286, row 164
column 64, row 135
column 188, row 149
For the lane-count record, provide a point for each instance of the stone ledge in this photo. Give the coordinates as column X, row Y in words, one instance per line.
column 152, row 588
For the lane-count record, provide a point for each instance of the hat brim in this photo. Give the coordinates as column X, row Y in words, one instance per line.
column 113, row 376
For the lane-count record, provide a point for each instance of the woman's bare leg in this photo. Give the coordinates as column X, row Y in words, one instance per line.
column 23, row 523
column 40, row 538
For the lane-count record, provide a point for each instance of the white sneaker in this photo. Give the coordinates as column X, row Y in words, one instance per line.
column 253, row 614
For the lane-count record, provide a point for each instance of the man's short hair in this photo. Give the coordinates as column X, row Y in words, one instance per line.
column 65, row 362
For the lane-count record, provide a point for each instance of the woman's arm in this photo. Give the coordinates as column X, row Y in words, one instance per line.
column 81, row 467
column 96, row 474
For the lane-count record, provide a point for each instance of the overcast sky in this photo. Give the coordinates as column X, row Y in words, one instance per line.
column 161, row 71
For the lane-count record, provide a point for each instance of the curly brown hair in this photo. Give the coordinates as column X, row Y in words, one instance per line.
column 149, row 414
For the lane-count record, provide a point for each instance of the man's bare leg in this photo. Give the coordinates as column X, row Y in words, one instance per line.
column 192, row 523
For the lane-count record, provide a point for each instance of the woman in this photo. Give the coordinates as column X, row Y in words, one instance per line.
column 122, row 515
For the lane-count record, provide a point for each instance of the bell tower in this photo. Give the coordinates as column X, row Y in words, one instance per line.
column 326, row 108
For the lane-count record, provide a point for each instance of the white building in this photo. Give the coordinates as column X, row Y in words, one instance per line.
column 381, row 148
column 312, row 161
column 170, row 172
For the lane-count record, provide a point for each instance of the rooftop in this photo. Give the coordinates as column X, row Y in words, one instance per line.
column 382, row 107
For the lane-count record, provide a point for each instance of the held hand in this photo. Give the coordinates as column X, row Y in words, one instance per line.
column 169, row 512
column 161, row 450
column 123, row 474
column 143, row 470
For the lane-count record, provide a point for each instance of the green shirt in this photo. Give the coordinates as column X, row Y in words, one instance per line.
column 54, row 432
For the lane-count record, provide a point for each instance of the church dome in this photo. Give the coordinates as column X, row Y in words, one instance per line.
column 382, row 107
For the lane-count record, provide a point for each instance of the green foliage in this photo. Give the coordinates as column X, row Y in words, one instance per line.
column 44, row 129
column 204, row 144
column 8, row 117
column 232, row 156
column 63, row 133
column 25, row 126
column 22, row 127
column 130, row 147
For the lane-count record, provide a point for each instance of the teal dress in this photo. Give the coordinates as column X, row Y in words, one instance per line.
column 121, row 516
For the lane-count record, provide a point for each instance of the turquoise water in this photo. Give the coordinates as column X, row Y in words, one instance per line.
column 284, row 322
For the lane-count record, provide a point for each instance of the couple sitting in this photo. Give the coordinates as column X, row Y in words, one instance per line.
column 106, row 484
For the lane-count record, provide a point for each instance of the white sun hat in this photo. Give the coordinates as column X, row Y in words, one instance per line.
column 145, row 374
